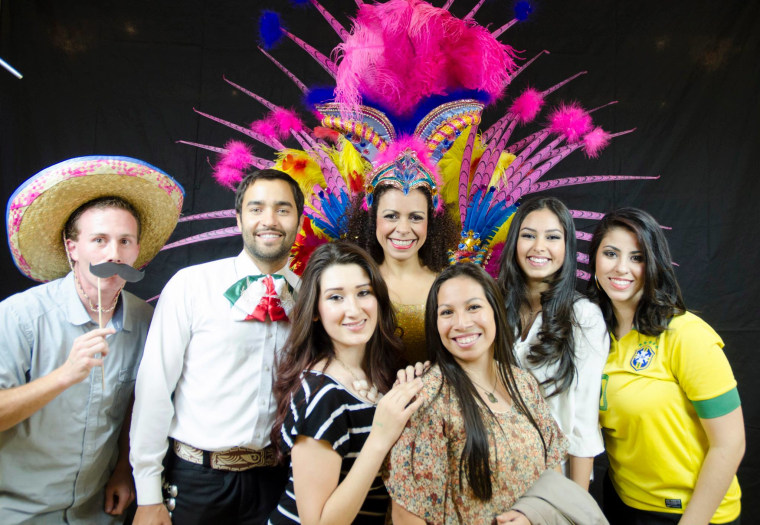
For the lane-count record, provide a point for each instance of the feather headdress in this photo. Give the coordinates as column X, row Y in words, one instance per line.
column 411, row 81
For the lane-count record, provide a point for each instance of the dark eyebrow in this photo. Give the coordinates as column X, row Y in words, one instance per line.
column 276, row 204
column 471, row 299
column 611, row 247
column 104, row 234
column 340, row 288
column 533, row 229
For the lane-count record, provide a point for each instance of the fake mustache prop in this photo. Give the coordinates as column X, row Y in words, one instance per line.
column 104, row 271
column 109, row 269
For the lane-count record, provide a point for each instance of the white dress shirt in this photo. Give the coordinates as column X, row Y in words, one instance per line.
column 577, row 408
column 218, row 370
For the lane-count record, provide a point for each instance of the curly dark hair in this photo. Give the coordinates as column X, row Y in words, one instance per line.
column 661, row 299
column 442, row 231
column 474, row 461
column 308, row 342
column 555, row 339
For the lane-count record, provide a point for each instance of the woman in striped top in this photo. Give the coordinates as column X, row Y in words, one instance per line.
column 341, row 357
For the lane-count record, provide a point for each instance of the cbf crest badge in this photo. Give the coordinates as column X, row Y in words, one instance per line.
column 643, row 356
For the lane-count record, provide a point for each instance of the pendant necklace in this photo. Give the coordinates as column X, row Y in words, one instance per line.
column 360, row 385
column 492, row 398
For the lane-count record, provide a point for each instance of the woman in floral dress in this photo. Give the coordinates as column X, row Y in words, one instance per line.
column 483, row 434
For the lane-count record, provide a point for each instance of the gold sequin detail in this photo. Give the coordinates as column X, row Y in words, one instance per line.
column 411, row 318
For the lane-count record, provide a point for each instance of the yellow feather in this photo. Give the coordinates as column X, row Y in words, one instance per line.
column 302, row 167
column 505, row 159
column 349, row 161
column 501, row 233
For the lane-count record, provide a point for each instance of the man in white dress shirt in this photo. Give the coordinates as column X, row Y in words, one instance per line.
column 203, row 398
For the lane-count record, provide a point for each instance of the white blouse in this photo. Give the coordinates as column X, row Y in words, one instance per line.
column 577, row 408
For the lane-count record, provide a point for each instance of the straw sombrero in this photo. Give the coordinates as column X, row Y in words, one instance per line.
column 38, row 210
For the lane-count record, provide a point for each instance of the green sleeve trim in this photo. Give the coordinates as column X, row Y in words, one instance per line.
column 718, row 406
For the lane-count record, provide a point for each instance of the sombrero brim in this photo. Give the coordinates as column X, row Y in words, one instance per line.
column 38, row 210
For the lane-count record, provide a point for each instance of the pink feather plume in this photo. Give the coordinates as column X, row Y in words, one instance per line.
column 396, row 148
column 527, row 105
column 286, row 120
column 266, row 127
column 595, row 141
column 233, row 163
column 278, row 123
column 571, row 121
column 403, row 51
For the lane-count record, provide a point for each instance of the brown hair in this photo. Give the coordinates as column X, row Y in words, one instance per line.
column 71, row 228
column 661, row 299
column 308, row 342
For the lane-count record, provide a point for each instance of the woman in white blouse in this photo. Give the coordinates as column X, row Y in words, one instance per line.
column 561, row 336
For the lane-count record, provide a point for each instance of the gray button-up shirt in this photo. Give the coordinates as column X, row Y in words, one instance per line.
column 55, row 464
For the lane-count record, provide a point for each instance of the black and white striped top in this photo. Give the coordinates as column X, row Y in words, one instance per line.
column 323, row 409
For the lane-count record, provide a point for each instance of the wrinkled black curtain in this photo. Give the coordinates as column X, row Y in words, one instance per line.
column 122, row 78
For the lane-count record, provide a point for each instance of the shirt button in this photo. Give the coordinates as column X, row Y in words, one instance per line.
column 266, row 369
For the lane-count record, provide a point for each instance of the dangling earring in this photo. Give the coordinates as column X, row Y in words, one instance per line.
column 597, row 283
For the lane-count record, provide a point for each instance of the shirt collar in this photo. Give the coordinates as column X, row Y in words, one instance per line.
column 244, row 266
column 77, row 314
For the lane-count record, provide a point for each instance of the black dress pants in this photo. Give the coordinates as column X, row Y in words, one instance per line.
column 206, row 496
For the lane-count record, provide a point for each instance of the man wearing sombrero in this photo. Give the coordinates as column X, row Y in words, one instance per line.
column 70, row 348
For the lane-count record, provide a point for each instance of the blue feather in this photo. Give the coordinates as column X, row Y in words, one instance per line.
column 523, row 9
column 334, row 210
column 319, row 95
column 270, row 29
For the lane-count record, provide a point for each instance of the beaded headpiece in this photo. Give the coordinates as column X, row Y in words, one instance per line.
column 411, row 81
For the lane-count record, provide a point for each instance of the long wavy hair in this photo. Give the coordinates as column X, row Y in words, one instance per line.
column 308, row 342
column 474, row 461
column 555, row 338
column 442, row 231
column 661, row 299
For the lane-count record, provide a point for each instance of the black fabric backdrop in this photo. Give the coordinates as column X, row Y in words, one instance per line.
column 121, row 78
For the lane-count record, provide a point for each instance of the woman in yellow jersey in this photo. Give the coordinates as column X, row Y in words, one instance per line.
column 670, row 412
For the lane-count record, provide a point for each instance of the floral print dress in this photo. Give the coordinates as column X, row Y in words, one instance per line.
column 423, row 467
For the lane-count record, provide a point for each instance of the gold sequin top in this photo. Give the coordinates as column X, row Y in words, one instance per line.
column 411, row 317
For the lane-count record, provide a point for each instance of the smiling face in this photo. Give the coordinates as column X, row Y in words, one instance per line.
column 466, row 321
column 402, row 222
column 620, row 268
column 540, row 250
column 269, row 222
column 347, row 306
column 104, row 235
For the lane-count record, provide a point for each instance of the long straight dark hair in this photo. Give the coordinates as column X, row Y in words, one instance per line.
column 555, row 338
column 474, row 461
column 661, row 299
column 308, row 341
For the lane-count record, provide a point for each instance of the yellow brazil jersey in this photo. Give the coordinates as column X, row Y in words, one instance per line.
column 654, row 390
